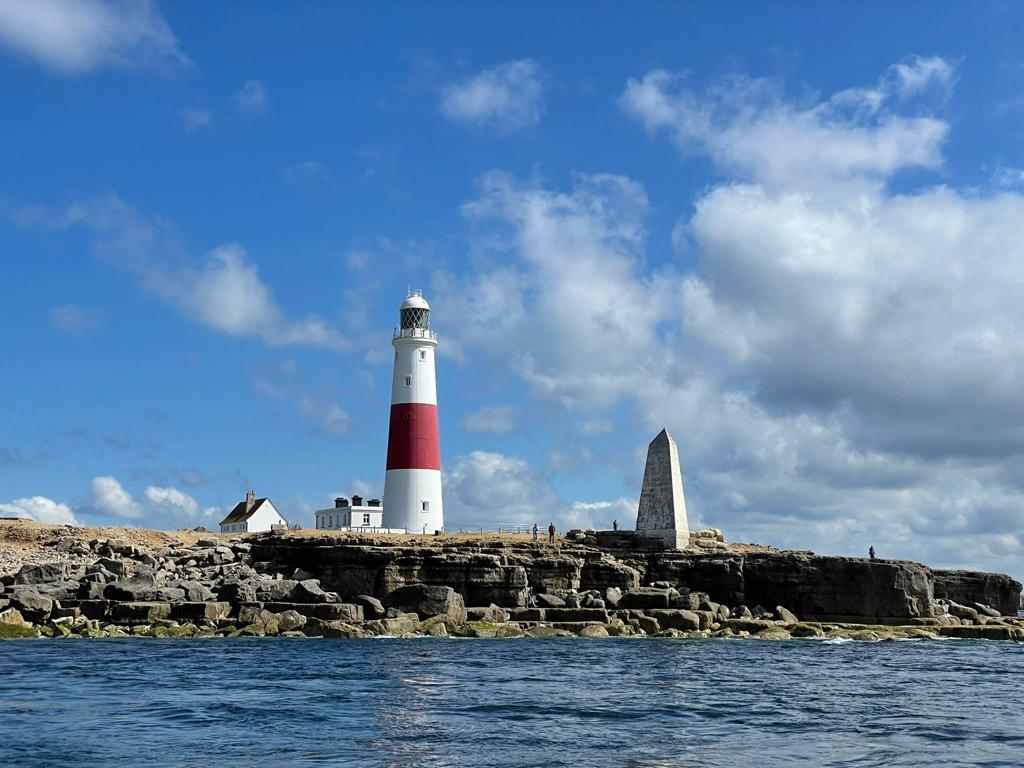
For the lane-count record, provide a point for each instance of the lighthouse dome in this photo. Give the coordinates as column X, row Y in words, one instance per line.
column 414, row 312
column 415, row 300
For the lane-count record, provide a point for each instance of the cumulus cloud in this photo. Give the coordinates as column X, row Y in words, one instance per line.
column 251, row 97
column 600, row 515
column 840, row 367
column 157, row 506
column 77, row 36
column 507, row 98
column 747, row 125
column 485, row 489
column 490, row 420
column 108, row 497
column 40, row 509
column 223, row 290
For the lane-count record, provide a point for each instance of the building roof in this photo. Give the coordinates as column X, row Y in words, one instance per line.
column 239, row 513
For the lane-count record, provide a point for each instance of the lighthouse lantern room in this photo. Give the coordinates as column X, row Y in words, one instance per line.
column 412, row 484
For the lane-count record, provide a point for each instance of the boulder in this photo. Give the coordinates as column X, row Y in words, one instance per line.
column 258, row 621
column 612, row 596
column 544, row 600
column 140, row 587
column 962, row 611
column 307, row 591
column 753, row 626
column 35, row 606
column 194, row 591
column 278, row 590
column 13, row 617
column 427, row 600
column 289, row 621
column 238, row 592
column 337, row 629
column 595, row 630
column 372, row 607
column 348, row 612
column 543, row 630
column 786, row 615
column 41, row 574
column 404, row 624
column 676, row 618
column 987, row 610
column 492, row 614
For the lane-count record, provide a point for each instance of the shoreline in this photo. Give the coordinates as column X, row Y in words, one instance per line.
column 188, row 584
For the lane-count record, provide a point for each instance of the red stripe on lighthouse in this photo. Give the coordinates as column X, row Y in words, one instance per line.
column 412, row 438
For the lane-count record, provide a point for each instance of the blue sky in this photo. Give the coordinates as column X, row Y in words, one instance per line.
column 790, row 234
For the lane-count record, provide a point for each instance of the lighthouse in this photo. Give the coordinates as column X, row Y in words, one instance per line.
column 412, row 484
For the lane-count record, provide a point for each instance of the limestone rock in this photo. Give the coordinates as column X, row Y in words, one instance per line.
column 426, row 601
column 786, row 615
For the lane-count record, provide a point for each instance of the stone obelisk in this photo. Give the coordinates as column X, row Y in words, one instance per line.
column 662, row 513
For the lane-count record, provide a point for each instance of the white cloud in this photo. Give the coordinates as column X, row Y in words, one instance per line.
column 224, row 292
column 840, row 368
column 251, row 97
column 77, row 36
column 194, row 119
column 490, row 420
column 108, row 497
column 508, row 97
column 600, row 515
column 40, row 509
column 170, row 502
column 749, row 127
column 490, row 489
column 72, row 318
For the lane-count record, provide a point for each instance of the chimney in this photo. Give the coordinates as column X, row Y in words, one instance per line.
column 373, row 503
column 340, row 502
column 250, row 500
column 357, row 501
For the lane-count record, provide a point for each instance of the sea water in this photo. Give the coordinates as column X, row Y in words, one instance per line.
column 557, row 702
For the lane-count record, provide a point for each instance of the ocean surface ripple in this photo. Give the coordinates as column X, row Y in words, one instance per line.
column 442, row 702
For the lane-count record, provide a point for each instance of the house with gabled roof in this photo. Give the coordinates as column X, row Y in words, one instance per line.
column 252, row 515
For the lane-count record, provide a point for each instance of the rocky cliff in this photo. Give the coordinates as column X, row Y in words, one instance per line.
column 497, row 586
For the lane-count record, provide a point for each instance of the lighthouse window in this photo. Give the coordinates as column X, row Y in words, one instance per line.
column 426, row 506
column 423, row 355
column 408, row 381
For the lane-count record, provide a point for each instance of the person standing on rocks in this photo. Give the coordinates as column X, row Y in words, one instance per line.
column 551, row 533
column 871, row 552
column 536, row 532
column 615, row 525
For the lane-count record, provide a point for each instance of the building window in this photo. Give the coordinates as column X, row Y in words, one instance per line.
column 423, row 355
column 366, row 519
column 408, row 381
column 426, row 506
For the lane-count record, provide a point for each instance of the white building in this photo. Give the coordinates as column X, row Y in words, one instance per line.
column 345, row 516
column 412, row 483
column 251, row 516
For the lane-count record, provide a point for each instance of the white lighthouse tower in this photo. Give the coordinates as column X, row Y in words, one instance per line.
column 412, row 484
